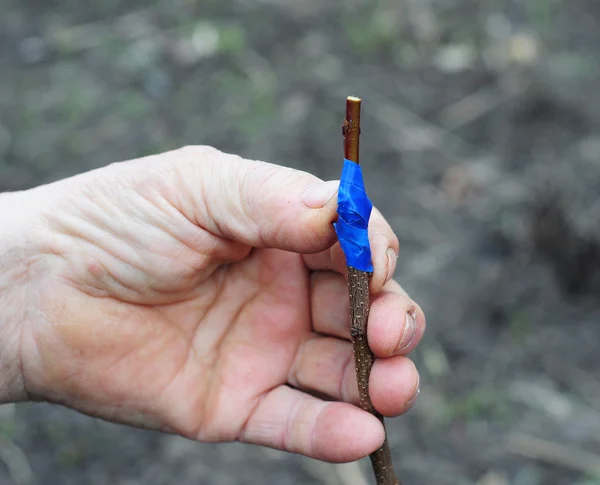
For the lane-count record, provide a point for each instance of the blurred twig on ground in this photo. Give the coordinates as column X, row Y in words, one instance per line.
column 554, row 453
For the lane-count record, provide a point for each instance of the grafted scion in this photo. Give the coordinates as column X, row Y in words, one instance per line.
column 358, row 289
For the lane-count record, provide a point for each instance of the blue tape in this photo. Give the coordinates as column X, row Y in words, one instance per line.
column 354, row 211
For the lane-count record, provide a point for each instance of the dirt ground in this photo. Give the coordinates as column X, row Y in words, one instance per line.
column 481, row 144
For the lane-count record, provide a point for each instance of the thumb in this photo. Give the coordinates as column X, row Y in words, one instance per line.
column 258, row 203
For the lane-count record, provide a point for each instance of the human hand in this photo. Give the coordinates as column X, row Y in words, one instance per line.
column 201, row 294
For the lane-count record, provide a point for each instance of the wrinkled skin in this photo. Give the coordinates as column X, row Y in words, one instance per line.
column 194, row 292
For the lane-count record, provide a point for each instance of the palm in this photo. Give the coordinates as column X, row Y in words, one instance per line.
column 205, row 363
column 200, row 358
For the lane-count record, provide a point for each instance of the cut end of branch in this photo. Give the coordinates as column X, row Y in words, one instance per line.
column 351, row 129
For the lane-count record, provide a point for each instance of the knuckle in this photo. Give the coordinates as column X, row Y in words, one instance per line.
column 199, row 152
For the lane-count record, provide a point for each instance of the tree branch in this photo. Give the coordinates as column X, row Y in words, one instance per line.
column 358, row 286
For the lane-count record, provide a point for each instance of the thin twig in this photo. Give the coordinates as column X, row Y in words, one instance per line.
column 358, row 286
column 479, row 103
column 403, row 125
column 16, row 461
column 554, row 453
column 583, row 382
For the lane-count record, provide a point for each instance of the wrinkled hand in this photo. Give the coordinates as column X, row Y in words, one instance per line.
column 201, row 294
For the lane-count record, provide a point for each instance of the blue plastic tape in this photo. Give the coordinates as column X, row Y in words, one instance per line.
column 354, row 211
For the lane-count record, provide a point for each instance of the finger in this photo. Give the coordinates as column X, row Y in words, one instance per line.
column 396, row 323
column 256, row 203
column 393, row 385
column 384, row 252
column 290, row 420
column 329, row 304
column 326, row 365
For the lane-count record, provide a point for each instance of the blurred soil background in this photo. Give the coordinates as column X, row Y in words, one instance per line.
column 481, row 144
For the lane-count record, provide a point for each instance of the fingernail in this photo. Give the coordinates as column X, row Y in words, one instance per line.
column 316, row 196
column 408, row 334
column 392, row 258
column 412, row 400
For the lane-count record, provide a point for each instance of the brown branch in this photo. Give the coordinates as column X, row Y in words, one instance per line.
column 358, row 286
